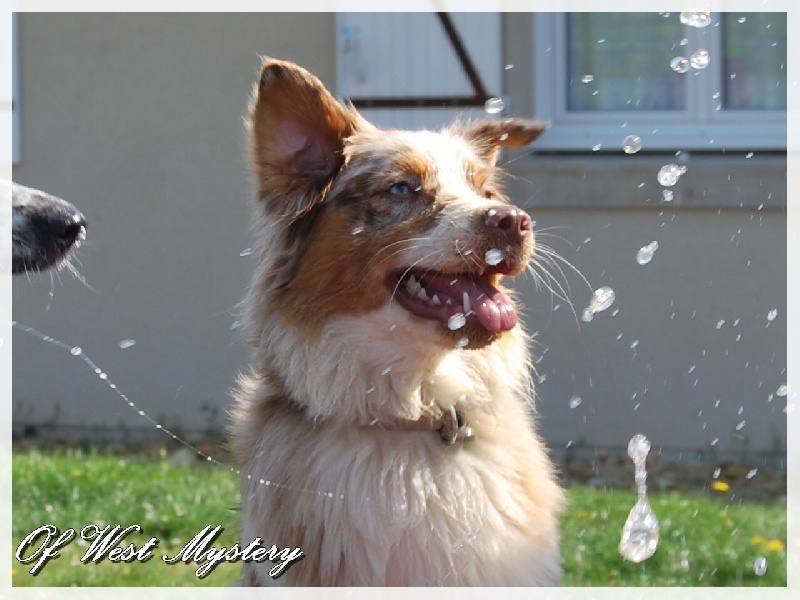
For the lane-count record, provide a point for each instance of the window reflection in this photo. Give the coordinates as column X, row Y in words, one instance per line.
column 621, row 61
column 755, row 61
column 628, row 55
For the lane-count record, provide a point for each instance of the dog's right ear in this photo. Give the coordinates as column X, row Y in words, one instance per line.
column 297, row 130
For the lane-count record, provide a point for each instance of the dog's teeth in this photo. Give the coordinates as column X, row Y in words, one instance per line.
column 435, row 300
column 448, row 301
column 466, row 302
column 412, row 286
column 422, row 293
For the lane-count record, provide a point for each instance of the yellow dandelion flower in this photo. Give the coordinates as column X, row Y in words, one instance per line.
column 775, row 545
column 77, row 472
column 126, row 570
column 727, row 522
column 581, row 514
column 720, row 486
column 757, row 540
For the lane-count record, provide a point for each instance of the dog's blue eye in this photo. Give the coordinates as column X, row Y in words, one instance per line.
column 400, row 189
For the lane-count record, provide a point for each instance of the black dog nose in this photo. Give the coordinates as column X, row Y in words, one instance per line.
column 515, row 223
column 67, row 228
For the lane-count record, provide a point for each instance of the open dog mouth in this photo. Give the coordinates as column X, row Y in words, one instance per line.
column 455, row 299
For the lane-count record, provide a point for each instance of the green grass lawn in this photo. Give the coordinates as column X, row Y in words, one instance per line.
column 704, row 540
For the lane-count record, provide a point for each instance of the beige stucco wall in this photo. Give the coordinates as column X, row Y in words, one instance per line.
column 137, row 119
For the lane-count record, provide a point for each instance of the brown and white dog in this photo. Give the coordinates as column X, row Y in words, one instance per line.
column 386, row 426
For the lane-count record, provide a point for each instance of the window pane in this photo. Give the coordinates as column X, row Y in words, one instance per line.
column 755, row 60
column 621, row 61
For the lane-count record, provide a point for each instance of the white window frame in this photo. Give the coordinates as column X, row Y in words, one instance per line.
column 697, row 127
column 9, row 95
column 16, row 142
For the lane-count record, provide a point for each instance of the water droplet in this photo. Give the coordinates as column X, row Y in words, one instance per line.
column 357, row 229
column 126, row 343
column 103, row 376
column 494, row 106
column 386, row 371
column 456, row 321
column 462, row 342
column 667, row 195
column 679, row 64
column 588, row 78
column 493, row 256
column 717, row 473
column 76, row 351
column 645, row 253
column 742, row 19
column 751, row 473
column 782, row 390
column 638, row 448
column 632, row 144
column 749, row 155
column 246, row 252
column 684, row 41
column 596, row 147
column 696, row 18
column 720, row 323
column 669, row 175
column 740, row 425
column 587, row 316
column 700, row 59
column 509, row 66
column 601, row 299
column 640, row 532
column 772, row 314
column 575, row 402
column 760, row 566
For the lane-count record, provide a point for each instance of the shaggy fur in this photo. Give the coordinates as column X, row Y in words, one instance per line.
column 45, row 229
column 354, row 368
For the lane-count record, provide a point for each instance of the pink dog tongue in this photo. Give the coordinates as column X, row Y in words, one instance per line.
column 491, row 307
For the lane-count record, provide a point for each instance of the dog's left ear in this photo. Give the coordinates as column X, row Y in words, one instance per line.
column 489, row 136
column 297, row 131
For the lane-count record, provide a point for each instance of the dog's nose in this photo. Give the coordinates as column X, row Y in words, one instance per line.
column 515, row 223
column 67, row 228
